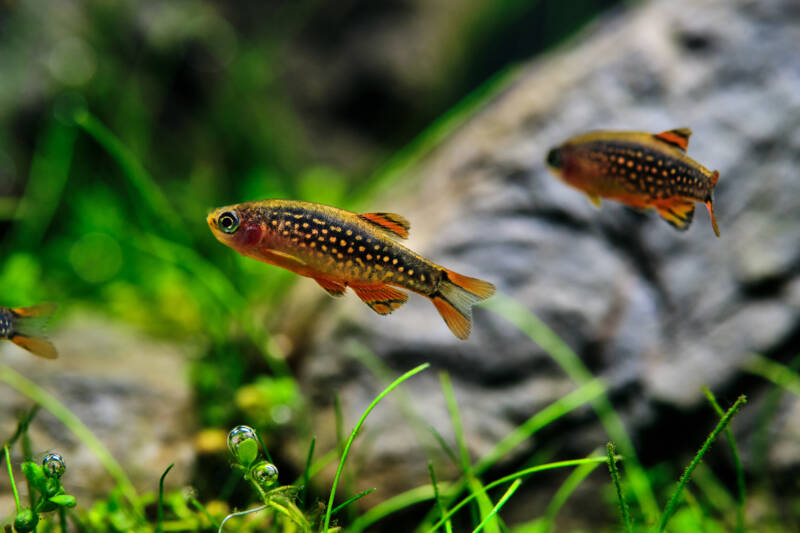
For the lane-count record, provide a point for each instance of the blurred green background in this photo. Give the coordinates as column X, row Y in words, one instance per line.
column 123, row 123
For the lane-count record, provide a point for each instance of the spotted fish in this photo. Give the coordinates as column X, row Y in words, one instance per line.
column 24, row 326
column 639, row 169
column 341, row 249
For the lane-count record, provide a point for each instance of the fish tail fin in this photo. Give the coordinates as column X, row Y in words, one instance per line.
column 29, row 328
column 709, row 201
column 454, row 300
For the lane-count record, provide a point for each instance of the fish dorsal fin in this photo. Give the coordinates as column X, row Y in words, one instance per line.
column 678, row 137
column 679, row 214
column 391, row 222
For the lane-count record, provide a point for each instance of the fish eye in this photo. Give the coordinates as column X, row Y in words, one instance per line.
column 554, row 158
column 228, row 222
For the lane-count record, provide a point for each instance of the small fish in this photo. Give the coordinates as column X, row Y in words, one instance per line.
column 642, row 170
column 24, row 326
column 340, row 249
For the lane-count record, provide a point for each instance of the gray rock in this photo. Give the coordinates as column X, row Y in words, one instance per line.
column 655, row 312
column 128, row 389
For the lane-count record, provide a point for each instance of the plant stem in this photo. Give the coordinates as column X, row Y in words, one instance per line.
column 353, row 434
column 511, row 490
column 673, row 501
column 623, row 506
column 737, row 463
column 11, row 477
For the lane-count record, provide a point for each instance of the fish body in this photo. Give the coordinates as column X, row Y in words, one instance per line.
column 24, row 326
column 642, row 170
column 341, row 249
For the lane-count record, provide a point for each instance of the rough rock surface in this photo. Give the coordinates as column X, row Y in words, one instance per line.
column 655, row 312
column 129, row 390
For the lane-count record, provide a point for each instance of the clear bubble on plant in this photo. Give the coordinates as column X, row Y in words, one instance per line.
column 264, row 473
column 243, row 444
column 53, row 465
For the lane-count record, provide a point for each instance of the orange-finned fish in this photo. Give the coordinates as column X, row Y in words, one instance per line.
column 24, row 326
column 341, row 249
column 639, row 169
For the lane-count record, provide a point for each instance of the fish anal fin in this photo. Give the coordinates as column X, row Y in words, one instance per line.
column 36, row 345
column 334, row 288
column 391, row 222
column 678, row 214
column 678, row 137
column 595, row 199
column 382, row 299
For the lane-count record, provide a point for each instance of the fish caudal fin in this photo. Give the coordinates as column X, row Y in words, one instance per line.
column 455, row 298
column 679, row 214
column 380, row 298
column 36, row 345
column 29, row 326
column 710, row 203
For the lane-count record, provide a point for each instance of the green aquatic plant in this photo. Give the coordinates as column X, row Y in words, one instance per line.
column 262, row 475
column 46, row 492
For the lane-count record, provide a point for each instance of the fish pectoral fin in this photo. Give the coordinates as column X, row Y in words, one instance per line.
column 36, row 345
column 678, row 137
column 382, row 299
column 334, row 288
column 595, row 199
column 678, row 214
column 290, row 257
column 392, row 223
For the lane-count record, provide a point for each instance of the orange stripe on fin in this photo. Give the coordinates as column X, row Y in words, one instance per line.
column 391, row 222
column 37, row 346
column 380, row 298
column 678, row 214
column 678, row 137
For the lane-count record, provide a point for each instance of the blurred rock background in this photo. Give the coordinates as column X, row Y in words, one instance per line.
column 376, row 106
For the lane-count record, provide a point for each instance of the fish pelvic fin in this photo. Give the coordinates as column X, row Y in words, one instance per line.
column 36, row 345
column 382, row 299
column 334, row 288
column 454, row 300
column 595, row 199
column 392, row 223
column 679, row 137
column 678, row 214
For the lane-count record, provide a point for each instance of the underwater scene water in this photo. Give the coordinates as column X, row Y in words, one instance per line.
column 400, row 266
